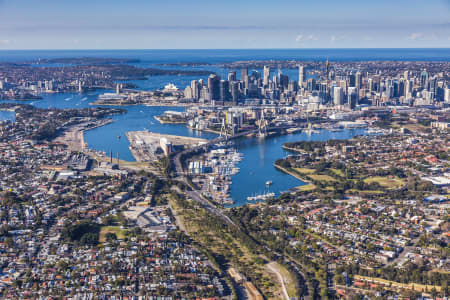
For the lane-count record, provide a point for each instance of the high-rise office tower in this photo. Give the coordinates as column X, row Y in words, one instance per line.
column 48, row 85
column 408, row 89
column 343, row 85
column 440, row 91
column 447, row 94
column 232, row 76
column 432, row 86
column 292, row 87
column 234, row 90
column 244, row 77
column 352, row 98
column 244, row 73
column 405, row 75
column 256, row 75
column 195, row 87
column 395, row 86
column 301, row 76
column 214, row 87
column 224, row 90
column 331, row 75
column 352, row 80
column 401, row 87
column 338, row 96
column 204, row 93
column 358, row 80
column 188, row 93
column 389, row 90
column 424, row 79
column 284, row 81
column 266, row 78
column 311, row 84
column 323, row 92
column 370, row 84
column 253, row 91
column 276, row 81
column 376, row 83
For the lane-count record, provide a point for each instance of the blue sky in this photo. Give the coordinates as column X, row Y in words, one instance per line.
column 167, row 24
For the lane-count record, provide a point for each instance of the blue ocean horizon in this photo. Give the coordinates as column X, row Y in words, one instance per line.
column 158, row 56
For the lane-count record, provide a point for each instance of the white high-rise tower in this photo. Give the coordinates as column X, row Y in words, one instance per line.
column 301, row 76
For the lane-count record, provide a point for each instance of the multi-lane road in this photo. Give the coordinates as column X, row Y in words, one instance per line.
column 196, row 196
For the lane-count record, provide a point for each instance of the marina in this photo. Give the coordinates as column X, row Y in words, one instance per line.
column 212, row 172
column 261, row 197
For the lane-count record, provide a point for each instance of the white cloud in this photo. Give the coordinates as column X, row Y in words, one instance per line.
column 299, row 38
column 336, row 38
column 415, row 36
column 309, row 37
column 419, row 36
column 4, row 42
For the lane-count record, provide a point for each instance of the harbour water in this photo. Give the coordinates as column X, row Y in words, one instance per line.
column 259, row 156
column 256, row 168
column 136, row 118
column 7, row 116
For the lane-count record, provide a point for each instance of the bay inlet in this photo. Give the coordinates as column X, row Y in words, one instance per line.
column 259, row 155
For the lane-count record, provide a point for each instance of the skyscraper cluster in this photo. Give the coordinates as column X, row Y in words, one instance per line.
column 318, row 88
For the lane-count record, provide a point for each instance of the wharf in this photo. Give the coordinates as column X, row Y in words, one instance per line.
column 144, row 144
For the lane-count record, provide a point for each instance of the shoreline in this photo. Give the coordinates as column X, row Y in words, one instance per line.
column 8, row 109
column 105, row 122
column 166, row 104
column 133, row 151
column 291, row 149
column 78, row 134
column 157, row 118
column 292, row 174
column 73, row 137
column 144, row 104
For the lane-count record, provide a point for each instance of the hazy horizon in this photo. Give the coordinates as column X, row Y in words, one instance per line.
column 200, row 49
column 201, row 24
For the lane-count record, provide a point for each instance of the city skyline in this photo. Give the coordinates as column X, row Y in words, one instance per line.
column 223, row 150
column 224, row 25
